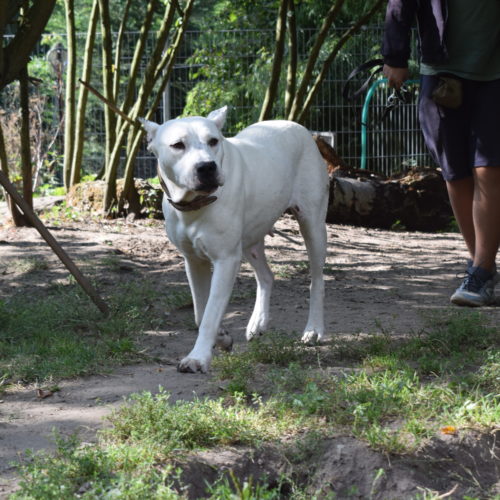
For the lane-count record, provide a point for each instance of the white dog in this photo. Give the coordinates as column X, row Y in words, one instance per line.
column 222, row 197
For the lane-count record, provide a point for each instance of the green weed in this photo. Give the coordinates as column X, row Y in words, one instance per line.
column 234, row 490
column 190, row 425
column 275, row 348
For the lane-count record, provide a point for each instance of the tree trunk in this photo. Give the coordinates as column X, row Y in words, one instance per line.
column 26, row 163
column 76, row 164
column 162, row 78
column 156, row 74
column 107, row 82
column 69, row 103
column 140, row 47
column 145, row 89
column 15, row 55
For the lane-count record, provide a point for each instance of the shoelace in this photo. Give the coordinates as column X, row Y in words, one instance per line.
column 472, row 282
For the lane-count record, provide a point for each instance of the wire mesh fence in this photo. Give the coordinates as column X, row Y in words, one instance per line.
column 213, row 68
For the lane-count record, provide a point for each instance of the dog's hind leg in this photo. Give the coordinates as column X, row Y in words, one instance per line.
column 264, row 277
column 199, row 276
column 313, row 230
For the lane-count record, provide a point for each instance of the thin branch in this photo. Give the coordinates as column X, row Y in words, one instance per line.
column 118, row 50
column 313, row 57
column 291, row 79
column 279, row 50
column 301, row 114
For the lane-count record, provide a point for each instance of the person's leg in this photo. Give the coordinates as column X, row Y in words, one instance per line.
column 447, row 134
column 486, row 216
column 461, row 194
column 460, row 139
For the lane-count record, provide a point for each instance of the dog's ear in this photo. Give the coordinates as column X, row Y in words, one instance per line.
column 218, row 117
column 150, row 128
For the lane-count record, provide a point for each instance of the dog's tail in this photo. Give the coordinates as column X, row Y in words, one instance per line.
column 332, row 158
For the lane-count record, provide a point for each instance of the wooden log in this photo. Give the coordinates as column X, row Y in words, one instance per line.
column 416, row 199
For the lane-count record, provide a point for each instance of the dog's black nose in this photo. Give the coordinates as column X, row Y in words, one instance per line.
column 206, row 169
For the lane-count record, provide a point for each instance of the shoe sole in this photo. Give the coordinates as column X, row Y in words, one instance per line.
column 463, row 301
column 460, row 301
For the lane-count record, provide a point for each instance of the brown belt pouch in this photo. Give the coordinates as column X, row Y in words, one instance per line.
column 448, row 92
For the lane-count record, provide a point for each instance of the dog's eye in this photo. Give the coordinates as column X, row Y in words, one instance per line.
column 213, row 142
column 178, row 145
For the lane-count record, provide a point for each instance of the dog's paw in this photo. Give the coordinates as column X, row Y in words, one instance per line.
column 224, row 341
column 311, row 337
column 256, row 328
column 253, row 334
column 257, row 324
column 193, row 365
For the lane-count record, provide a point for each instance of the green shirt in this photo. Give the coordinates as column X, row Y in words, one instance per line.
column 472, row 38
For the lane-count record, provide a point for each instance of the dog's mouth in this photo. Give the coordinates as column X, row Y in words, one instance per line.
column 206, row 188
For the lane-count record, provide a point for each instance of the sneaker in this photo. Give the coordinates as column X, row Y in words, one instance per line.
column 477, row 289
column 496, row 276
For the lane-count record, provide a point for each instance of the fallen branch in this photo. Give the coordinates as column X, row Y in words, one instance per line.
column 51, row 241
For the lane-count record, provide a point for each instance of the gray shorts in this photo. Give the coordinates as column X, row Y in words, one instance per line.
column 463, row 138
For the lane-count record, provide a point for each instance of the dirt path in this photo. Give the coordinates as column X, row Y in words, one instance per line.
column 374, row 280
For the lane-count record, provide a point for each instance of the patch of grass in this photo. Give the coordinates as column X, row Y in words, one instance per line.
column 274, row 348
column 277, row 348
column 391, row 400
column 131, row 460
column 359, row 347
column 50, row 190
column 404, row 391
column 28, row 265
column 287, row 271
column 58, row 214
column 62, row 335
column 453, row 343
column 79, row 471
column 237, row 369
column 178, row 298
column 152, row 420
column 111, row 262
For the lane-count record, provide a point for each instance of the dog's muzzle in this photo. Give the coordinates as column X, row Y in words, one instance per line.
column 186, row 206
column 206, row 176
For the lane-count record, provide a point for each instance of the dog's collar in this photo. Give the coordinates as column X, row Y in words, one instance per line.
column 186, row 206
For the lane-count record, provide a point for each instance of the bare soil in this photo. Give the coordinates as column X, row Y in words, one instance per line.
column 375, row 280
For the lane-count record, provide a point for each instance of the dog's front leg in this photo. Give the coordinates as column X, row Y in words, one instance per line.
column 199, row 275
column 223, row 276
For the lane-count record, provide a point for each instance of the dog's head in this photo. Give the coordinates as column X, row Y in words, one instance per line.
column 189, row 151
